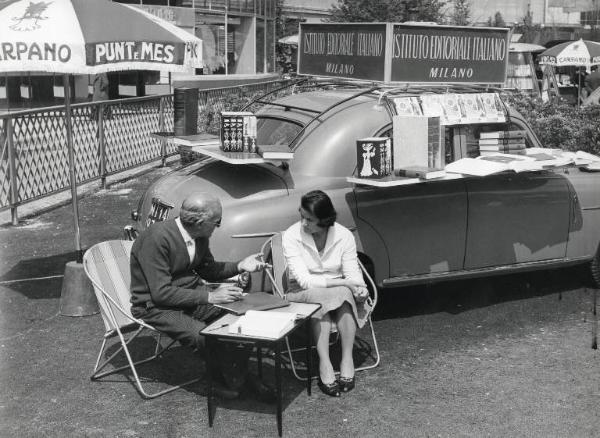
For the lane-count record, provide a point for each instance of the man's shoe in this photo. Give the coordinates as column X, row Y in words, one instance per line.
column 260, row 390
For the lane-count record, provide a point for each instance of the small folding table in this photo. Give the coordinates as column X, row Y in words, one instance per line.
column 219, row 331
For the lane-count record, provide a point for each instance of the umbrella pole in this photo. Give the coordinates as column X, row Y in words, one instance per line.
column 578, row 86
column 72, row 176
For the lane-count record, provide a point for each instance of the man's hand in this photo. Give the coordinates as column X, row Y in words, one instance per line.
column 225, row 294
column 251, row 263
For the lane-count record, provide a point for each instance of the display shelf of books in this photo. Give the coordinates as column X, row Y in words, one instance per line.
column 453, row 108
column 394, row 180
column 417, row 156
column 236, row 142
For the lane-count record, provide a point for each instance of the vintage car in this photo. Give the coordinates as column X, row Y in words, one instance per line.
column 409, row 234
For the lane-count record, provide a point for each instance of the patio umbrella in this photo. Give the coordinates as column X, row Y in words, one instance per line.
column 291, row 40
column 580, row 53
column 89, row 37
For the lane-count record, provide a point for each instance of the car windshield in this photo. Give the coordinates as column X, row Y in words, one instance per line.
column 276, row 131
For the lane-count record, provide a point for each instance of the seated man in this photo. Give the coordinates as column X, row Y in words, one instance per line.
column 169, row 263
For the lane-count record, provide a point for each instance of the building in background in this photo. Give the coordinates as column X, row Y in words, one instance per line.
column 560, row 19
column 238, row 47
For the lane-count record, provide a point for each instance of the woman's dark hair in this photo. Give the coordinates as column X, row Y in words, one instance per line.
column 319, row 204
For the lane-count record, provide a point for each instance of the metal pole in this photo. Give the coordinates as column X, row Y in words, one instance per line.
column 72, row 175
column 161, row 128
column 12, row 168
column 226, row 42
column 101, row 144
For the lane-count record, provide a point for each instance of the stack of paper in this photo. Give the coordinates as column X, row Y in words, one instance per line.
column 263, row 324
column 474, row 166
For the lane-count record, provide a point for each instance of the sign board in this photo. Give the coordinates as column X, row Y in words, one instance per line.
column 348, row 50
column 392, row 52
column 182, row 17
column 444, row 54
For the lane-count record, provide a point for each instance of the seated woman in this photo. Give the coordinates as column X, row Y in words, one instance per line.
column 322, row 262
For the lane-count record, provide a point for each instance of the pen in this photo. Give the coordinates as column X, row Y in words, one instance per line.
column 218, row 327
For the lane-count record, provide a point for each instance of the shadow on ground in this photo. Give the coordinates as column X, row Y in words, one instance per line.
column 460, row 296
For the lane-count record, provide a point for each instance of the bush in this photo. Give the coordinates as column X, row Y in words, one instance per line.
column 559, row 125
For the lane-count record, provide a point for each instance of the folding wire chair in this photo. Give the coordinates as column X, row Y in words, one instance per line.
column 277, row 273
column 107, row 266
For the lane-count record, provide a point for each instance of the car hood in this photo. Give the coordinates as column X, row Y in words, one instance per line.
column 232, row 184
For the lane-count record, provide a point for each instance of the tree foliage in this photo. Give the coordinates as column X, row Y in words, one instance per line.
column 387, row 10
column 558, row 124
column 461, row 15
column 497, row 21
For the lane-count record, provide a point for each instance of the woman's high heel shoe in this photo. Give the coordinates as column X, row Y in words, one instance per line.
column 331, row 389
column 346, row 384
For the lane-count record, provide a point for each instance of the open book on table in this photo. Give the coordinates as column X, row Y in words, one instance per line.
column 263, row 324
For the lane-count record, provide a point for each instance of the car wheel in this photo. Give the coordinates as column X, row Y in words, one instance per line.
column 595, row 268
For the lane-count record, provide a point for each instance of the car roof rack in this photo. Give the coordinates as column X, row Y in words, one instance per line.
column 383, row 90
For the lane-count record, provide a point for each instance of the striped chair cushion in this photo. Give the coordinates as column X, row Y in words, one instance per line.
column 107, row 266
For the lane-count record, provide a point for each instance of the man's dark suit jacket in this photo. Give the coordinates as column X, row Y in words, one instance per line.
column 161, row 274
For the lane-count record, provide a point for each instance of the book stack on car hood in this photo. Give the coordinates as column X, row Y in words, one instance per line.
column 506, row 142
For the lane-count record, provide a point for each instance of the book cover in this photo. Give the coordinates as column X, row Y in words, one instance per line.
column 502, row 141
column 421, row 172
column 254, row 301
column 509, row 152
column 238, row 131
column 451, row 107
column 491, row 108
column 407, row 105
column 517, row 133
column 418, row 141
column 503, row 147
column 432, row 106
column 374, row 157
column 275, row 152
column 470, row 107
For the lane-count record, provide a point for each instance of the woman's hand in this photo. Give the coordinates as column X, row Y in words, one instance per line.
column 360, row 294
column 356, row 288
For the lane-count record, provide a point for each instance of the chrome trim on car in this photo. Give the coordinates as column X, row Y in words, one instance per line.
column 159, row 211
column 495, row 270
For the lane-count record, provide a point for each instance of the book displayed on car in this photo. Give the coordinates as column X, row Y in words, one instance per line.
column 502, row 141
column 374, row 157
column 238, row 131
column 517, row 133
column 421, row 172
column 275, row 152
column 418, row 141
column 202, row 139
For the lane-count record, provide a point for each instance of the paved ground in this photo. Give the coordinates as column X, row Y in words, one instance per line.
column 508, row 356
